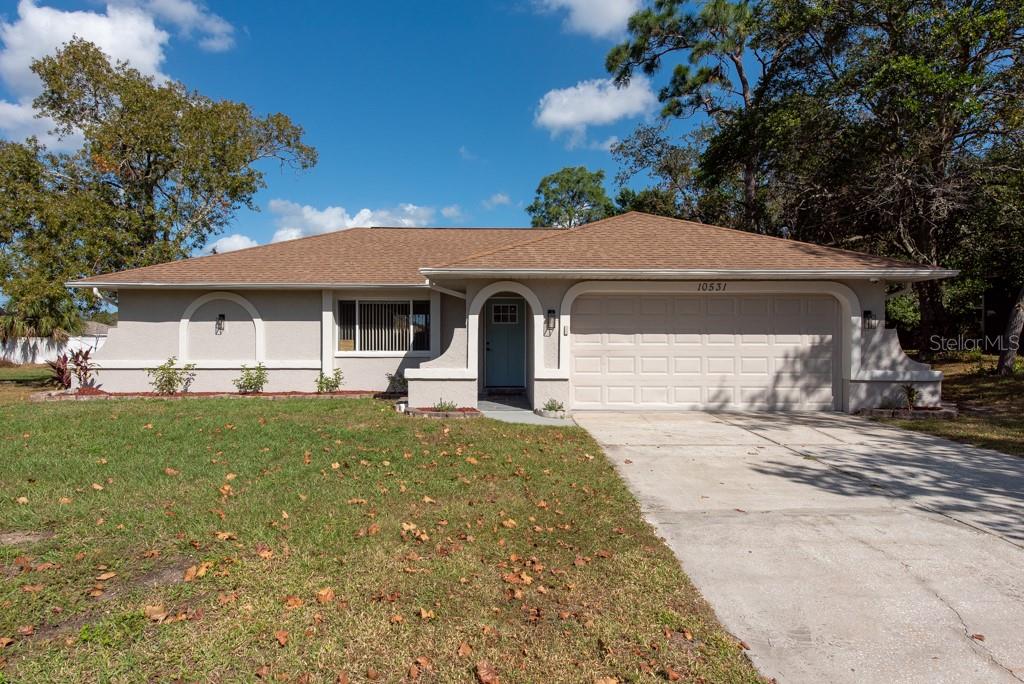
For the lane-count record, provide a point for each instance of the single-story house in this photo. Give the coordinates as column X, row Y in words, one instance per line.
column 630, row 312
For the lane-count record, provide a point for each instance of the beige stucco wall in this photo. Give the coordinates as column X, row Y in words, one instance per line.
column 148, row 333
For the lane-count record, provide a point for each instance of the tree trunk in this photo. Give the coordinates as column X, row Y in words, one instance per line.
column 933, row 316
column 1011, row 337
column 750, row 196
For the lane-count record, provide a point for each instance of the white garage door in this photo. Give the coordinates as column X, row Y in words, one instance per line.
column 713, row 351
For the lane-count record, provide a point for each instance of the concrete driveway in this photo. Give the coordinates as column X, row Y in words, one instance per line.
column 839, row 549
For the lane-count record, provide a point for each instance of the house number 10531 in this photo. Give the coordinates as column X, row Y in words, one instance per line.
column 713, row 286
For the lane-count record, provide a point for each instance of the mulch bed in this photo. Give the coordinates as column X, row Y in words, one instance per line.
column 429, row 412
column 92, row 393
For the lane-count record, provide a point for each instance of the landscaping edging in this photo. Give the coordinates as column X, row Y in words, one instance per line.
column 550, row 414
column 106, row 396
column 427, row 412
column 944, row 412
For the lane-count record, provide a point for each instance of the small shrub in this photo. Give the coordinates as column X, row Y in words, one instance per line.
column 397, row 384
column 252, row 380
column 167, row 378
column 443, row 406
column 911, row 395
column 329, row 383
column 60, row 371
column 83, row 367
column 553, row 405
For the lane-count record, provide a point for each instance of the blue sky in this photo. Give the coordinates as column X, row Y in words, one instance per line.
column 424, row 113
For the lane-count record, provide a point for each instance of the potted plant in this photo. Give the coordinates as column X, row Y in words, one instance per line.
column 552, row 409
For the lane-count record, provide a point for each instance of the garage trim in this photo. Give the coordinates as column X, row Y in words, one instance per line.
column 849, row 303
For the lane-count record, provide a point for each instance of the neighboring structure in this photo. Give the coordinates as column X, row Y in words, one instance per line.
column 632, row 312
column 28, row 350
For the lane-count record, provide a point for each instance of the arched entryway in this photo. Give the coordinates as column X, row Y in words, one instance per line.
column 505, row 344
column 505, row 318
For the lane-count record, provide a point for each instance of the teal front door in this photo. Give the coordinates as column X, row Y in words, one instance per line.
column 505, row 343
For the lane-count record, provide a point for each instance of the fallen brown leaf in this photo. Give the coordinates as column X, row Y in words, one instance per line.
column 325, row 595
column 486, row 674
column 281, row 636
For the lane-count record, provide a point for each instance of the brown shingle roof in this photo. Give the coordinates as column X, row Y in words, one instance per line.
column 395, row 256
column 637, row 241
column 378, row 256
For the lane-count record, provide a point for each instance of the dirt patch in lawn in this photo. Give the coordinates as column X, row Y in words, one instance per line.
column 18, row 538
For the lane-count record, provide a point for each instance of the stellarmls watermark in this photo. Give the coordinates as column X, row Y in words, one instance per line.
column 963, row 343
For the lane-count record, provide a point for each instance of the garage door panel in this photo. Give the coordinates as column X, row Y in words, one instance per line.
column 621, row 394
column 654, row 365
column 586, row 364
column 755, row 365
column 654, row 395
column 687, row 365
column 711, row 351
column 621, row 365
column 587, row 395
column 725, row 365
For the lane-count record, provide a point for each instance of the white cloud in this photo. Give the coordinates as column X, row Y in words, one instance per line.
column 598, row 18
column 191, row 19
column 604, row 145
column 229, row 243
column 496, row 200
column 596, row 102
column 452, row 212
column 300, row 220
column 466, row 154
column 125, row 30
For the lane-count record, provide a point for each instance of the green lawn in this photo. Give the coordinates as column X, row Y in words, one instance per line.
column 991, row 407
column 17, row 382
column 327, row 536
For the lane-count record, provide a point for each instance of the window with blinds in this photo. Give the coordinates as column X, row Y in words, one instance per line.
column 384, row 326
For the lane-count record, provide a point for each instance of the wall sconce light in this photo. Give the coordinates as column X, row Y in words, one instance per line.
column 869, row 321
column 550, row 320
column 218, row 327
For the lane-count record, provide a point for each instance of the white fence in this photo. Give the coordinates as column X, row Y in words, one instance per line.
column 43, row 349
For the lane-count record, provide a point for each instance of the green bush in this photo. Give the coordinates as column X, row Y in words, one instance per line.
column 444, row 406
column 329, row 383
column 912, row 395
column 252, row 380
column 553, row 405
column 397, row 384
column 168, row 378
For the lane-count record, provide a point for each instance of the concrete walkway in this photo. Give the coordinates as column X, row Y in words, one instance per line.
column 839, row 549
column 513, row 410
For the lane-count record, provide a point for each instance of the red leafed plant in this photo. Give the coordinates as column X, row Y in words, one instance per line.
column 60, row 371
column 83, row 366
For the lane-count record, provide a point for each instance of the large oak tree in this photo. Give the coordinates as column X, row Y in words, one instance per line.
column 161, row 169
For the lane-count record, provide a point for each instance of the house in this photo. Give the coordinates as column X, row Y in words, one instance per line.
column 631, row 312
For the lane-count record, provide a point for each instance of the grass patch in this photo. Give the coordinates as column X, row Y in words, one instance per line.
column 17, row 382
column 991, row 408
column 321, row 537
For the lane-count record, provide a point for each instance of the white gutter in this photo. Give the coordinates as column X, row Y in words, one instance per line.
column 902, row 274
column 206, row 285
column 445, row 290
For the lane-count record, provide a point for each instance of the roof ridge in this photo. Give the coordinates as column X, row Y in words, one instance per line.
column 555, row 232
column 205, row 257
column 779, row 238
